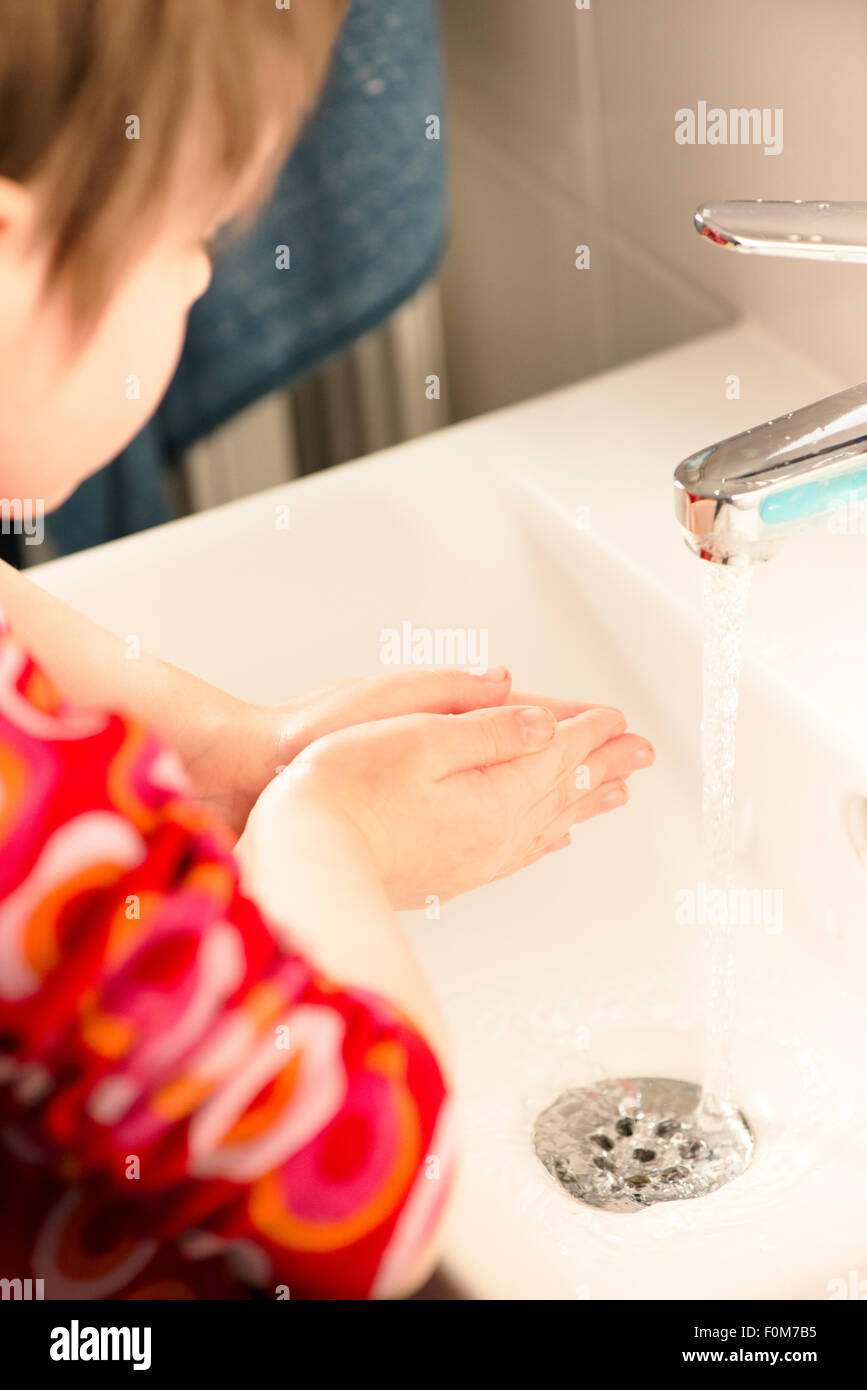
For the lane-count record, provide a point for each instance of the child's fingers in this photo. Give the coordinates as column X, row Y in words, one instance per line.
column 617, row 758
column 565, row 842
column 434, row 692
column 609, row 797
column 574, row 741
column 484, row 737
column 560, row 708
column 614, row 760
column 533, row 780
column 487, row 737
column 579, row 737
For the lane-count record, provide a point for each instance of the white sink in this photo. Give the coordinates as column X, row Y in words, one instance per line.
column 576, row 969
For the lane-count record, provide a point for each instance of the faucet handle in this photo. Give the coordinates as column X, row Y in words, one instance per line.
column 811, row 231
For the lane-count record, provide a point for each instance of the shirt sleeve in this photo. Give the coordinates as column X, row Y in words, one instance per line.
column 158, row 1041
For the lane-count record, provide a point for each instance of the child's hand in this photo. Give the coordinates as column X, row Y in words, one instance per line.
column 240, row 750
column 244, row 746
column 445, row 804
column 231, row 750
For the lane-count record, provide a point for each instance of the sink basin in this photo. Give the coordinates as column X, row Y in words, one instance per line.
column 579, row 969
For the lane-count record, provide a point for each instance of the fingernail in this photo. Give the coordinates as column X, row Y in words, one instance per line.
column 644, row 757
column 565, row 843
column 538, row 724
column 612, row 799
column 494, row 673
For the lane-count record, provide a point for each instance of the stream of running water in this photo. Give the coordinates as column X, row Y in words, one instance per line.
column 726, row 589
column 627, row 1142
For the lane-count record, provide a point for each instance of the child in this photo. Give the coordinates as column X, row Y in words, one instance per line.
column 205, row 1086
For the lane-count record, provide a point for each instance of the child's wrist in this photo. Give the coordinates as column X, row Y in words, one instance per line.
column 286, row 815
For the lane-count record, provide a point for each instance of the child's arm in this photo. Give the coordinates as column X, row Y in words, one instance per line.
column 198, row 1074
column 258, row 1100
column 93, row 669
column 230, row 749
column 314, row 876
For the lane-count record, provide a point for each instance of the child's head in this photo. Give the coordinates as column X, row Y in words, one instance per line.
column 130, row 130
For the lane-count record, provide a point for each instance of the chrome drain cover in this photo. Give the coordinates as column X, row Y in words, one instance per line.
column 624, row 1144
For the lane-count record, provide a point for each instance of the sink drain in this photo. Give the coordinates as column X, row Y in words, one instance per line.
column 624, row 1144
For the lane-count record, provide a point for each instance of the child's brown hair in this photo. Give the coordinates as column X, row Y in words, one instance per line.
column 96, row 96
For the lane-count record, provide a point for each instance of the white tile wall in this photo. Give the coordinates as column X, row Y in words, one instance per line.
column 562, row 131
column 519, row 317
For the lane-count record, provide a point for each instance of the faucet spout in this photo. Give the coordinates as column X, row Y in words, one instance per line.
column 737, row 499
column 798, row 230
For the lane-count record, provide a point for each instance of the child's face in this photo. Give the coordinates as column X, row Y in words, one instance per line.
column 65, row 411
column 68, row 405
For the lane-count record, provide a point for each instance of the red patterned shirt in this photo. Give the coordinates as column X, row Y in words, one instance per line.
column 186, row 1109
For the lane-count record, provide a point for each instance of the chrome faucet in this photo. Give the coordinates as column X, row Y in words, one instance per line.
column 737, row 499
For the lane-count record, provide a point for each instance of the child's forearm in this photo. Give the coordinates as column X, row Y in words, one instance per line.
column 311, row 873
column 309, row 867
column 93, row 668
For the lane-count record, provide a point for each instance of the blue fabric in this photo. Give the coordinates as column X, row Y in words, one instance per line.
column 361, row 205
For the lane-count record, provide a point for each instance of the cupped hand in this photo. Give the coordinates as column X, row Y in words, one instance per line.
column 240, row 747
column 235, row 751
column 446, row 803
